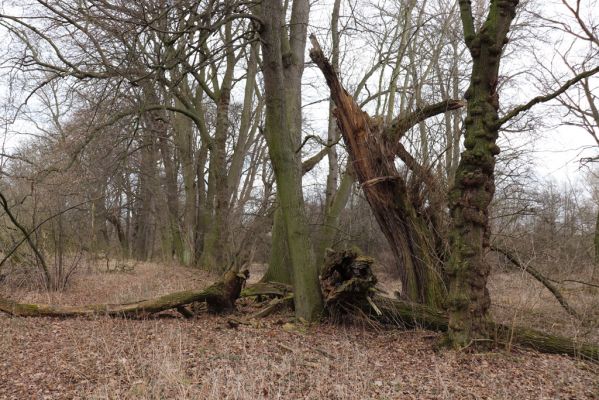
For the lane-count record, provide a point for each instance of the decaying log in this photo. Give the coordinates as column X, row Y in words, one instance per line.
column 220, row 297
column 346, row 278
column 412, row 315
column 347, row 283
column 267, row 289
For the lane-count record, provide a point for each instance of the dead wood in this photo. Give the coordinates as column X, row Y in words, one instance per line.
column 346, row 278
column 220, row 298
column 539, row 277
column 411, row 315
column 348, row 285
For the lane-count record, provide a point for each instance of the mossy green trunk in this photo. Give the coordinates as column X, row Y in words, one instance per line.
column 283, row 62
column 279, row 265
column 474, row 187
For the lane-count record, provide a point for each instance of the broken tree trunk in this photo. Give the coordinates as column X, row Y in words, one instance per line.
column 220, row 297
column 346, row 278
column 348, row 284
column 372, row 149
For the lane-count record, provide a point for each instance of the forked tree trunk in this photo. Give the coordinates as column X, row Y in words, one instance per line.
column 283, row 62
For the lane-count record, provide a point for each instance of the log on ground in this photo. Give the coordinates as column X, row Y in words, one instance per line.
column 347, row 283
column 220, row 297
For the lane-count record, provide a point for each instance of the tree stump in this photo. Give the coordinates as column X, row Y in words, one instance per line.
column 347, row 280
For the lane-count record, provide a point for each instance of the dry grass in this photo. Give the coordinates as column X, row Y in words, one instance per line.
column 521, row 300
column 171, row 358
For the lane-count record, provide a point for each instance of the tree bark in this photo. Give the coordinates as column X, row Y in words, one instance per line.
column 283, row 62
column 215, row 254
column 469, row 199
column 372, row 149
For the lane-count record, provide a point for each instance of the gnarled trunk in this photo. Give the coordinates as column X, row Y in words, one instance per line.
column 372, row 150
column 474, row 186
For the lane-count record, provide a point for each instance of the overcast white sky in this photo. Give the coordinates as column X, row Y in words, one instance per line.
column 557, row 152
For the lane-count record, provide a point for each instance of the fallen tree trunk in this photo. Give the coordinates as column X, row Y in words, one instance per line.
column 412, row 315
column 348, row 284
column 220, row 297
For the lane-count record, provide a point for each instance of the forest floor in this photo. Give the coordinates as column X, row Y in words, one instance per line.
column 273, row 358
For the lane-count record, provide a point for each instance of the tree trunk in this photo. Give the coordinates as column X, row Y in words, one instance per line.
column 144, row 229
column 279, row 264
column 283, row 62
column 184, row 141
column 596, row 239
column 469, row 199
column 220, row 297
column 215, row 251
column 372, row 149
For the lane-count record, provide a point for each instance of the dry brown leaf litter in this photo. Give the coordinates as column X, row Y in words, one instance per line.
column 171, row 358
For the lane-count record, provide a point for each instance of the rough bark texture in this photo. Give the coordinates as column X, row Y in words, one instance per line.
column 214, row 251
column 372, row 149
column 220, row 297
column 346, row 278
column 283, row 61
column 279, row 264
column 348, row 285
column 469, row 199
column 596, row 239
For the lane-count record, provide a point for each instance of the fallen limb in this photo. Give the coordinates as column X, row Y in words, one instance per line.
column 220, row 297
column 539, row 277
column 410, row 315
column 273, row 306
column 348, row 285
column 266, row 289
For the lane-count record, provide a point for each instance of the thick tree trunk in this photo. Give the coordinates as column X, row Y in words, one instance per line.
column 283, row 68
column 279, row 264
column 215, row 251
column 144, row 216
column 372, row 149
column 184, row 141
column 468, row 300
